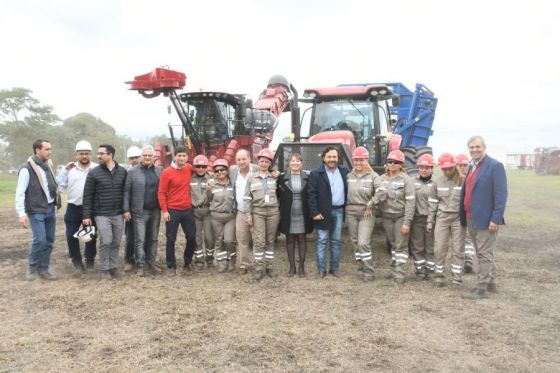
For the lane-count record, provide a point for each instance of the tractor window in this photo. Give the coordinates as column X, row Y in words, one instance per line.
column 213, row 120
column 346, row 114
column 384, row 124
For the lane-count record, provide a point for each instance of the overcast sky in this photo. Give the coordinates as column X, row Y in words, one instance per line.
column 494, row 65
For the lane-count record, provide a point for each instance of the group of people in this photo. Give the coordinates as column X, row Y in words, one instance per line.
column 231, row 215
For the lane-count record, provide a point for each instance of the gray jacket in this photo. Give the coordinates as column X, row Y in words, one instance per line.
column 134, row 190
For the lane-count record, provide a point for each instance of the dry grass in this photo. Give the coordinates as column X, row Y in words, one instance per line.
column 213, row 322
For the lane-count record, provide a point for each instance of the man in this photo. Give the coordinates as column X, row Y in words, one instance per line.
column 483, row 203
column 103, row 201
column 141, row 209
column 326, row 200
column 204, row 233
column 36, row 198
column 133, row 154
column 238, row 176
column 175, row 201
column 72, row 179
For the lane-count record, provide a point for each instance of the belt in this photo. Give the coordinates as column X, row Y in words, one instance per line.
column 337, row 207
column 203, row 206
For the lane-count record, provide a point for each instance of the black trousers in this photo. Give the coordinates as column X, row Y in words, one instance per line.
column 73, row 221
column 185, row 219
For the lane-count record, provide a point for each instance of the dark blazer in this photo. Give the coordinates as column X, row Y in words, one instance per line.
column 319, row 197
column 285, row 198
column 134, row 190
column 489, row 195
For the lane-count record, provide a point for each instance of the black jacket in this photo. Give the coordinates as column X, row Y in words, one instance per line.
column 319, row 196
column 285, row 197
column 104, row 191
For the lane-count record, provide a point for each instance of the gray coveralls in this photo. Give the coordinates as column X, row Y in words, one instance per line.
column 444, row 203
column 262, row 203
column 222, row 211
column 421, row 242
column 203, row 221
column 396, row 198
column 361, row 190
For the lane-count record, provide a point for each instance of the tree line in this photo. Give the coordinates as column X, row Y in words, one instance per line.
column 23, row 119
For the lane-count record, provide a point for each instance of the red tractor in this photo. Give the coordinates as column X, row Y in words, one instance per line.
column 217, row 124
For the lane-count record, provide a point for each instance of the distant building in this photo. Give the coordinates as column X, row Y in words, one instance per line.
column 520, row 161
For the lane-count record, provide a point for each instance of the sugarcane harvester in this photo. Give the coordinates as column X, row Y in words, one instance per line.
column 218, row 124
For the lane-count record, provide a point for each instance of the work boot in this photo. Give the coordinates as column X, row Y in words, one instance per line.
column 258, row 275
column 129, row 267
column 302, row 249
column 210, row 263
column 475, row 294
column 115, row 273
column 270, row 272
column 491, row 288
column 106, row 275
column 291, row 272
column 231, row 265
column 78, row 267
column 322, row 274
column 90, row 266
column 301, row 270
column 47, row 276
column 222, row 266
column 456, row 285
column 335, row 273
column 199, row 266
column 154, row 269
column 190, row 268
column 31, row 274
column 439, row 282
column 420, row 276
column 140, row 270
column 171, row 272
column 468, row 267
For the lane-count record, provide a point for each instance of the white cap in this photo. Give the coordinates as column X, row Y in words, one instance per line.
column 83, row 145
column 133, row 151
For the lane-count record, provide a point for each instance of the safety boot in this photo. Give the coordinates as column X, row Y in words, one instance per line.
column 140, row 270
column 154, row 269
column 258, row 276
column 31, row 274
column 270, row 272
column 231, row 265
column 222, row 266
column 439, row 282
column 468, row 266
column 78, row 267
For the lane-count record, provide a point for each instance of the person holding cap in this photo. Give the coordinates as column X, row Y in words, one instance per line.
column 204, row 235
column 133, row 154
column 72, row 179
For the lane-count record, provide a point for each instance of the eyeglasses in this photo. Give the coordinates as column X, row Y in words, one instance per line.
column 390, row 161
column 220, row 170
column 147, row 155
column 200, row 166
column 101, row 153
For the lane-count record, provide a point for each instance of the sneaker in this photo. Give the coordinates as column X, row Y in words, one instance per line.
column 106, row 275
column 47, row 276
column 171, row 272
column 140, row 271
column 475, row 294
column 31, row 274
column 129, row 267
column 491, row 288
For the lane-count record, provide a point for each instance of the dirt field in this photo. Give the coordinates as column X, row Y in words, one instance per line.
column 213, row 322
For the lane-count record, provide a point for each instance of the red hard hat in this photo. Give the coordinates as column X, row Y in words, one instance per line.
column 446, row 160
column 425, row 160
column 396, row 155
column 360, row 153
column 462, row 159
column 267, row 153
column 200, row 160
column 220, row 162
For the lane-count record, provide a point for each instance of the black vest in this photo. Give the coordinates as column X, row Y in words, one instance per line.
column 35, row 198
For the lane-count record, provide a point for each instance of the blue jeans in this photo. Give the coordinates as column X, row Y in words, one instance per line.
column 146, row 231
column 333, row 236
column 43, row 227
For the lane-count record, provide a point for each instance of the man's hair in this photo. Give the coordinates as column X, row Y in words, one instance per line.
column 38, row 144
column 476, row 137
column 328, row 149
column 243, row 151
column 296, row 156
column 149, row 148
column 179, row 149
column 109, row 148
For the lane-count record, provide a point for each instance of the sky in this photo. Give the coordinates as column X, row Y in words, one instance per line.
column 494, row 65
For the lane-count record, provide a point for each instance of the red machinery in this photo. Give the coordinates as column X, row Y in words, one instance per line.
column 547, row 161
column 217, row 124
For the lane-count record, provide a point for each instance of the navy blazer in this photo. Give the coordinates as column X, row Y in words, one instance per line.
column 319, row 196
column 489, row 195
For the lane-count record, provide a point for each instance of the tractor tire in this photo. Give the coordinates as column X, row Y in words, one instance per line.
column 409, row 157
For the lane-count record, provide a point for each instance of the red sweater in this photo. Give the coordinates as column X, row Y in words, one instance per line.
column 175, row 188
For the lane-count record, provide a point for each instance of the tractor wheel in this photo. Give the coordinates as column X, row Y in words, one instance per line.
column 410, row 160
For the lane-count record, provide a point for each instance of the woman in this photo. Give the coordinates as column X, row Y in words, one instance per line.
column 222, row 210
column 396, row 201
column 444, row 220
column 262, row 203
column 295, row 221
column 362, row 182
column 421, row 241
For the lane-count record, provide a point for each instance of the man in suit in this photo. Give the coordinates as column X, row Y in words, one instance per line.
column 483, row 202
column 326, row 200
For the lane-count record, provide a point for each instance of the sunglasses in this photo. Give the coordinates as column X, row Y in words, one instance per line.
column 393, row 162
column 220, row 170
column 200, row 166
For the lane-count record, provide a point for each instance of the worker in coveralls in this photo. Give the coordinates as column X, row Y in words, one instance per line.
column 421, row 241
column 362, row 183
column 396, row 199
column 221, row 194
column 444, row 220
column 470, row 254
column 264, row 214
column 204, row 252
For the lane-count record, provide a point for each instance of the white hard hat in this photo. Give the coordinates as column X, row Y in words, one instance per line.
column 133, row 151
column 85, row 234
column 83, row 145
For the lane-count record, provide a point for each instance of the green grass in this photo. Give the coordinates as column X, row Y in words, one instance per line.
column 7, row 189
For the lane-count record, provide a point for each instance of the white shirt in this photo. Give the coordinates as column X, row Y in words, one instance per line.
column 23, row 183
column 74, row 181
column 240, row 185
